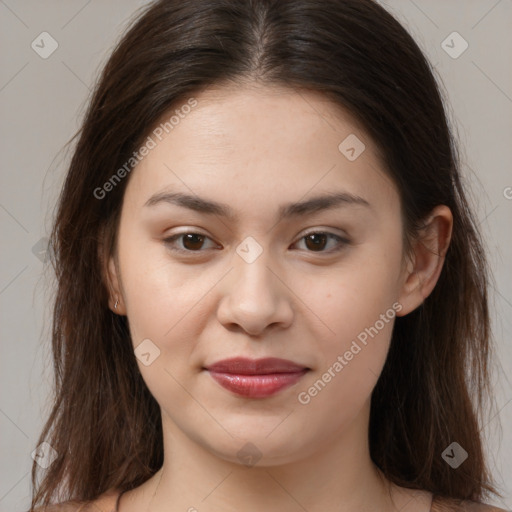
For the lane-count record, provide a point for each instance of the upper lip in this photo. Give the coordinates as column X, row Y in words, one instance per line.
column 245, row 366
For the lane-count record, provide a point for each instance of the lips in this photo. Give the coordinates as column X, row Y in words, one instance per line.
column 256, row 378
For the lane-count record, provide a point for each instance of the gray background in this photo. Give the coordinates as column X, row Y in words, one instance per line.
column 41, row 104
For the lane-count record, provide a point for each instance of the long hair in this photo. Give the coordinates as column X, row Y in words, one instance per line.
column 105, row 425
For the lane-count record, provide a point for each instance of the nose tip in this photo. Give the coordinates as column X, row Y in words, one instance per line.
column 253, row 297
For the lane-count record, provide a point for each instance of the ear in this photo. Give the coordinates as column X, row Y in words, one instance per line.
column 425, row 265
column 110, row 272
column 114, row 284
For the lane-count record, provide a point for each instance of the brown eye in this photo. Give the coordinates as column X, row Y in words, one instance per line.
column 317, row 241
column 191, row 242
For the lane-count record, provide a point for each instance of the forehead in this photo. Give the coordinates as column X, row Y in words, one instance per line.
column 259, row 118
column 265, row 143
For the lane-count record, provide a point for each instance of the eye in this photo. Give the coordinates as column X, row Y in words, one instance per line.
column 316, row 240
column 192, row 242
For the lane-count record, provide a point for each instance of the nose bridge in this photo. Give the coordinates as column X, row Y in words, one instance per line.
column 253, row 278
column 253, row 296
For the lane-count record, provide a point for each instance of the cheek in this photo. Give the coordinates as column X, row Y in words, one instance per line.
column 158, row 290
column 165, row 305
column 358, row 307
column 353, row 296
column 163, row 299
column 351, row 360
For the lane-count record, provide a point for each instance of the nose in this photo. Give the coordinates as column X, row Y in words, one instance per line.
column 255, row 297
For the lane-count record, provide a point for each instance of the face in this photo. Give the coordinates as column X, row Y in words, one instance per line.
column 249, row 275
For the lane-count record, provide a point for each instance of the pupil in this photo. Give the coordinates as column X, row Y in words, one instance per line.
column 191, row 237
column 311, row 237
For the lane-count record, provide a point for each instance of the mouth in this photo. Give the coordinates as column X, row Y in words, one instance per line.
column 256, row 378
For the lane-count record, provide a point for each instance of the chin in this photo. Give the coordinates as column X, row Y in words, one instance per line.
column 259, row 447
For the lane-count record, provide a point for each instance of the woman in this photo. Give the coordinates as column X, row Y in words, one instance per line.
column 270, row 283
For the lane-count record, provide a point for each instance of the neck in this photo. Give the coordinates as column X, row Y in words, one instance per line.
column 338, row 476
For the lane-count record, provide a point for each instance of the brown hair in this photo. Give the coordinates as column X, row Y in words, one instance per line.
column 105, row 425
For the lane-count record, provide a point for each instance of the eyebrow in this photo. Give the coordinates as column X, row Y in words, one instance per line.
column 289, row 210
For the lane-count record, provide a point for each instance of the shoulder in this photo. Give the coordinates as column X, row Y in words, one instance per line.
column 452, row 505
column 472, row 506
column 106, row 502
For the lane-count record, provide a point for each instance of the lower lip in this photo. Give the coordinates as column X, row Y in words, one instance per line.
column 257, row 386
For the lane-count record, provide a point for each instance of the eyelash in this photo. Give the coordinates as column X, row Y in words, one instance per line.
column 341, row 240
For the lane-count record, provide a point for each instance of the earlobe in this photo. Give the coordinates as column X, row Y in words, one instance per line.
column 426, row 263
column 109, row 273
column 116, row 302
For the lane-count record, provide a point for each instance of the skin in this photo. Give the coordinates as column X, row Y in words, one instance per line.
column 254, row 148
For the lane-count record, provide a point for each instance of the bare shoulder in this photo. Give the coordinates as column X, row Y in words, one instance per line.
column 472, row 506
column 452, row 505
column 68, row 506
column 106, row 502
column 72, row 506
